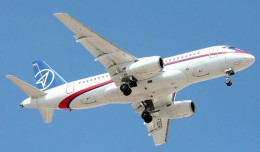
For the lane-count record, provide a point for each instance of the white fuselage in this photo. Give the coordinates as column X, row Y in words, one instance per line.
column 179, row 72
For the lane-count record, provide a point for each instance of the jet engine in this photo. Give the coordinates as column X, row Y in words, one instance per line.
column 146, row 65
column 178, row 109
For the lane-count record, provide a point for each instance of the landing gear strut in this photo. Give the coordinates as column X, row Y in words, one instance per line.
column 146, row 114
column 229, row 72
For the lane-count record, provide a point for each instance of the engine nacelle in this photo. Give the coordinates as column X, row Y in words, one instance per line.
column 179, row 109
column 146, row 65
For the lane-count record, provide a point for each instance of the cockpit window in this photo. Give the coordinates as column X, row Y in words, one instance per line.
column 230, row 47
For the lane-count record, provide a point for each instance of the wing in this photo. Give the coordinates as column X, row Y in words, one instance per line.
column 159, row 127
column 111, row 57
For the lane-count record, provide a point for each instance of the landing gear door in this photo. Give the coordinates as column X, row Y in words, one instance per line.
column 213, row 52
column 70, row 88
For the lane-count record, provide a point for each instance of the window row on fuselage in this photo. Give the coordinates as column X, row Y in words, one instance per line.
column 170, row 59
column 180, row 57
column 90, row 79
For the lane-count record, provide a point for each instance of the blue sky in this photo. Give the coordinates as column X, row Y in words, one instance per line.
column 227, row 119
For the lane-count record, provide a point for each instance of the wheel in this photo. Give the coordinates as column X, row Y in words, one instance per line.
column 229, row 83
column 124, row 87
column 232, row 72
column 127, row 92
column 147, row 117
column 145, row 114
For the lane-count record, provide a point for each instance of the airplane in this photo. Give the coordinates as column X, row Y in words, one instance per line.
column 149, row 84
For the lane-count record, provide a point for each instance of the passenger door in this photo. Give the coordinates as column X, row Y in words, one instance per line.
column 213, row 52
column 70, row 88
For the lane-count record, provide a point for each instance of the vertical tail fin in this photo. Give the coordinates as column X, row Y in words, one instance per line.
column 46, row 77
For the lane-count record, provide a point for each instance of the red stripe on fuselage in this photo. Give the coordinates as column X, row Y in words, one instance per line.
column 65, row 103
column 239, row 51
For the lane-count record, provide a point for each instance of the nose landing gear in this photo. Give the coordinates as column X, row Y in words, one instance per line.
column 229, row 72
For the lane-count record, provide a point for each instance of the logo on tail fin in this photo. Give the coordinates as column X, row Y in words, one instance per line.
column 46, row 77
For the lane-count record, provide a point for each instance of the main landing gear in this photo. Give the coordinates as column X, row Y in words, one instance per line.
column 229, row 72
column 147, row 117
column 127, row 84
column 125, row 88
column 146, row 114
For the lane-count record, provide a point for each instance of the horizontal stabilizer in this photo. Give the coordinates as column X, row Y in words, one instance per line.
column 28, row 89
column 47, row 115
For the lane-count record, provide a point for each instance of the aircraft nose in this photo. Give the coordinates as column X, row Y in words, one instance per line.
column 250, row 59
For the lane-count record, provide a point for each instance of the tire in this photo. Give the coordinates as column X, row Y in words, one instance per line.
column 124, row 87
column 147, row 117
column 145, row 114
column 128, row 92
column 229, row 83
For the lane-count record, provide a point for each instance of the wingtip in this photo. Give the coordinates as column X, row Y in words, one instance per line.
column 9, row 76
column 60, row 14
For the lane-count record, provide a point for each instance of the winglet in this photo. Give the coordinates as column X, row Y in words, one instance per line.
column 28, row 89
